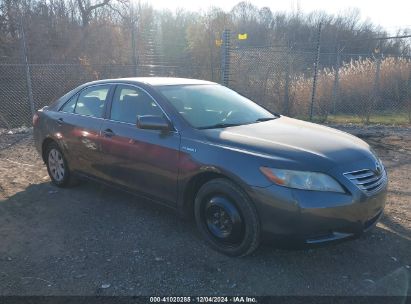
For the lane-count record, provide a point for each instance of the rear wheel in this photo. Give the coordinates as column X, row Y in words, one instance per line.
column 57, row 166
column 227, row 218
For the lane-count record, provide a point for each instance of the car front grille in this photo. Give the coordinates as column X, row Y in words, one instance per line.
column 367, row 180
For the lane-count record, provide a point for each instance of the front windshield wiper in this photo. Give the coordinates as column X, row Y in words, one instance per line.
column 225, row 125
column 220, row 125
column 265, row 119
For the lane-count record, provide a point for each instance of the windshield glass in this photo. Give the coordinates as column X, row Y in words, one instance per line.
column 213, row 106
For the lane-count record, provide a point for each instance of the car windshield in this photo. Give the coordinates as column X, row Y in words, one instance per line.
column 213, row 106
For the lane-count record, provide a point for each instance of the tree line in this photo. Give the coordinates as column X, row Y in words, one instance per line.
column 132, row 32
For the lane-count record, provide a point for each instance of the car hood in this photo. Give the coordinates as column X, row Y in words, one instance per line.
column 295, row 143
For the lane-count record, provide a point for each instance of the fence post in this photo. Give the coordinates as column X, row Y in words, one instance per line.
column 211, row 46
column 133, row 46
column 336, row 86
column 27, row 67
column 317, row 61
column 376, row 93
column 287, row 82
column 225, row 58
column 409, row 97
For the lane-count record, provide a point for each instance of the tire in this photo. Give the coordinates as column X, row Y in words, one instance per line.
column 57, row 167
column 226, row 218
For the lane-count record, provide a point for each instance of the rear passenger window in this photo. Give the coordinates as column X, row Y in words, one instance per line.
column 91, row 101
column 70, row 105
column 130, row 102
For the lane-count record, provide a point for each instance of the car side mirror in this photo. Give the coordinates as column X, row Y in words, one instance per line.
column 153, row 122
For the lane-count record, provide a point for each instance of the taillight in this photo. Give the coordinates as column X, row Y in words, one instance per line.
column 36, row 118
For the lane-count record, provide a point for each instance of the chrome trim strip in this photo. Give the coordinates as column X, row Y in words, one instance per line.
column 354, row 172
column 362, row 175
column 367, row 181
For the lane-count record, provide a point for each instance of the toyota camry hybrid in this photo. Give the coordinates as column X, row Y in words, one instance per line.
column 245, row 174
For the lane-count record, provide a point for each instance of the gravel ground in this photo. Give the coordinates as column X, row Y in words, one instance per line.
column 91, row 240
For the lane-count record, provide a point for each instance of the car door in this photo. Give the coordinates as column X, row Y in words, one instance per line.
column 79, row 122
column 143, row 160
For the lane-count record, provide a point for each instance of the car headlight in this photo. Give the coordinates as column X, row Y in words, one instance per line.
column 302, row 180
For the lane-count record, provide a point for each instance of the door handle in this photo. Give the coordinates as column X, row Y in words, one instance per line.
column 108, row 133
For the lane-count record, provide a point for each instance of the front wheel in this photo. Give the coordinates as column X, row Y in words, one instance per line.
column 227, row 218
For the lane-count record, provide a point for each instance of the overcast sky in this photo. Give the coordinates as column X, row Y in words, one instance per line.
column 392, row 15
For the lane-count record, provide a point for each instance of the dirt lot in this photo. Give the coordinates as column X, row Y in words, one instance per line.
column 92, row 240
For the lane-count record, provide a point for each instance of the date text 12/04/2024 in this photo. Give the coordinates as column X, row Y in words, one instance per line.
column 236, row 299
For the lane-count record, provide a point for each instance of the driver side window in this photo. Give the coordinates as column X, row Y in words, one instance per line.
column 130, row 102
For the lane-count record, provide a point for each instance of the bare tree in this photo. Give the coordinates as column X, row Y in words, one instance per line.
column 87, row 7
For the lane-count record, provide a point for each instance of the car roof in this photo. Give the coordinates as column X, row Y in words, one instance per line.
column 153, row 81
column 156, row 81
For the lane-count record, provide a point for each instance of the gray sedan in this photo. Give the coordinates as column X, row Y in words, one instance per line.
column 245, row 174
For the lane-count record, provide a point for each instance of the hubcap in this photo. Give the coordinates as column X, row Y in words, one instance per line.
column 223, row 220
column 56, row 165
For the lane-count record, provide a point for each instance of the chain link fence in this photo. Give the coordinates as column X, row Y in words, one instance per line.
column 51, row 81
column 349, row 88
column 274, row 77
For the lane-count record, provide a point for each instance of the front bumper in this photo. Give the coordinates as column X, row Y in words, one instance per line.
column 313, row 217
